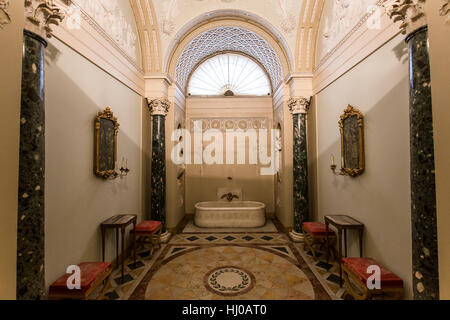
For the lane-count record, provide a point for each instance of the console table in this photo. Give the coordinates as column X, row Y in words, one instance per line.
column 119, row 222
column 343, row 223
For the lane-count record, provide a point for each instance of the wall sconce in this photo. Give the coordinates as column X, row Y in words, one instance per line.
column 334, row 166
column 124, row 169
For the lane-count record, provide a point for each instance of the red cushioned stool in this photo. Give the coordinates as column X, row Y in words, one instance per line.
column 150, row 230
column 92, row 275
column 355, row 272
column 316, row 233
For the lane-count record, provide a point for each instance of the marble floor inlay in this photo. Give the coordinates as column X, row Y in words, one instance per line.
column 227, row 266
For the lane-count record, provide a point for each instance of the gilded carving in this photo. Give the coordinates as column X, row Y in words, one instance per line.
column 105, row 157
column 299, row 105
column 40, row 15
column 5, row 18
column 158, row 106
column 351, row 125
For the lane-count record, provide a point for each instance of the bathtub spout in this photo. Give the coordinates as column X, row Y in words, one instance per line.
column 230, row 196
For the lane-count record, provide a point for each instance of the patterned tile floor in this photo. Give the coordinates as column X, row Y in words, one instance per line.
column 327, row 273
column 178, row 270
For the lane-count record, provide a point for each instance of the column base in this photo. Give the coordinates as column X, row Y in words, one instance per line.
column 165, row 237
column 297, row 237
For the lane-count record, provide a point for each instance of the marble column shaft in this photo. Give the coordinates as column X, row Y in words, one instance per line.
column 423, row 186
column 299, row 108
column 158, row 192
column 301, row 207
column 31, row 214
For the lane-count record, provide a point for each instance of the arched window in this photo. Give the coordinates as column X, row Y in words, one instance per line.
column 229, row 74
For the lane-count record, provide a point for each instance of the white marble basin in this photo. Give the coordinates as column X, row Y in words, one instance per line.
column 236, row 214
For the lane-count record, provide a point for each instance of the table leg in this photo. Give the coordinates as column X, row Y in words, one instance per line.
column 134, row 242
column 103, row 244
column 361, row 231
column 340, row 256
column 123, row 252
column 345, row 242
column 117, row 247
column 327, row 242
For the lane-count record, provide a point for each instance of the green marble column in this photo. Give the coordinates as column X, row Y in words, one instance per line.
column 299, row 108
column 159, row 109
column 423, row 182
column 30, row 282
column 31, row 214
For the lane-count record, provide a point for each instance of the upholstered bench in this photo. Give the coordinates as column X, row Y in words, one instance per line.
column 149, row 230
column 92, row 275
column 316, row 233
column 356, row 276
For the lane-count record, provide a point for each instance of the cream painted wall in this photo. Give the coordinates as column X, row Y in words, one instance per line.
column 284, row 181
column 175, row 189
column 76, row 200
column 10, row 91
column 439, row 54
column 380, row 198
column 202, row 181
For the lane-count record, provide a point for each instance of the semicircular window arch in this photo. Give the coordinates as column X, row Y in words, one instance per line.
column 229, row 74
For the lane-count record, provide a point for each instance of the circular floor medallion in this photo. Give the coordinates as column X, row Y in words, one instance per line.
column 229, row 281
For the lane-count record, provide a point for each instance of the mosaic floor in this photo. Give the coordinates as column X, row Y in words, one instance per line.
column 233, row 266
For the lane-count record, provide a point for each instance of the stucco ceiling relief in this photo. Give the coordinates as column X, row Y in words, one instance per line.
column 108, row 15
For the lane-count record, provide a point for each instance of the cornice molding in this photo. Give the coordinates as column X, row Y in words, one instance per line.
column 299, row 105
column 40, row 15
column 158, row 106
column 410, row 12
column 5, row 18
column 160, row 76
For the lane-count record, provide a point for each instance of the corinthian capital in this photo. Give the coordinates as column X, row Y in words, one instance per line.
column 40, row 15
column 158, row 106
column 299, row 105
column 410, row 12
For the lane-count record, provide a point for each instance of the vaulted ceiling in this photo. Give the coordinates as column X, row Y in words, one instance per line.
column 296, row 23
column 291, row 32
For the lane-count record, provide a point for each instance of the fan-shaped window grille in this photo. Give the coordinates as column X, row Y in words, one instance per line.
column 229, row 74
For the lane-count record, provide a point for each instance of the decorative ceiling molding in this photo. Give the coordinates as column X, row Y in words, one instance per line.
column 77, row 14
column 148, row 30
column 84, row 35
column 108, row 15
column 358, row 20
column 40, row 15
column 230, row 38
column 307, row 34
column 225, row 18
column 358, row 46
column 410, row 12
column 5, row 18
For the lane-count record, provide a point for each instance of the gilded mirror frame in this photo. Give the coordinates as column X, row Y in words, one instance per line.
column 105, row 115
column 348, row 113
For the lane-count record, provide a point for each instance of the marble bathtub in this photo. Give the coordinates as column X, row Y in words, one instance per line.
column 236, row 214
